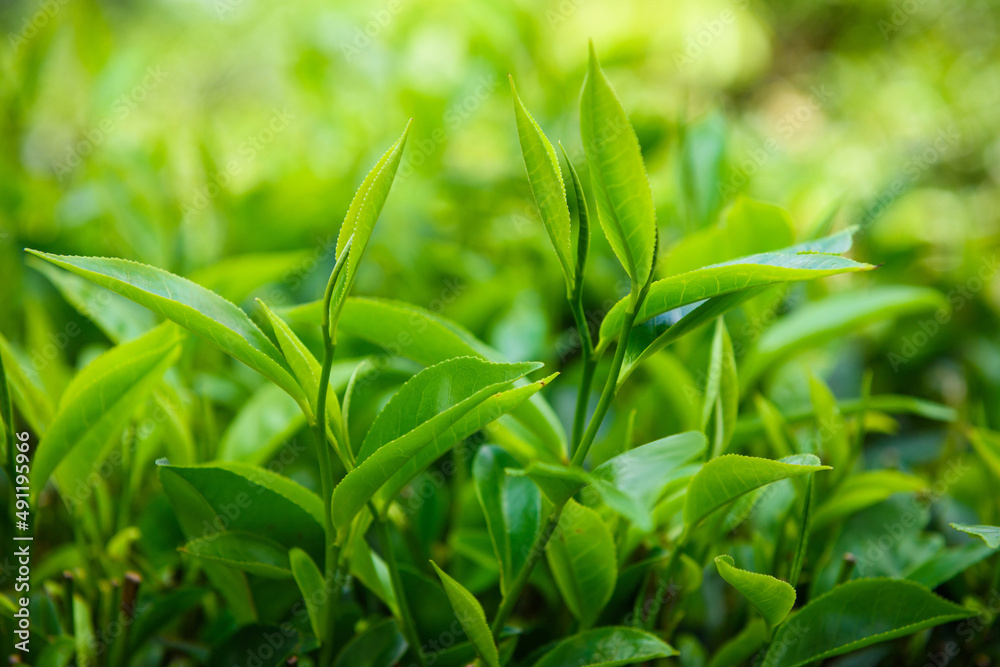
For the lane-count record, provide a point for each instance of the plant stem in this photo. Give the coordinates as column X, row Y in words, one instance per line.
column 611, row 385
column 405, row 617
column 514, row 592
column 589, row 366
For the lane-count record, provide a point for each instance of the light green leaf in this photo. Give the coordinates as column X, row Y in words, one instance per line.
column 581, row 555
column 427, row 338
column 789, row 265
column 818, row 322
column 581, row 240
column 772, row 597
column 512, row 507
column 361, row 216
column 547, row 185
column 728, row 477
column 266, row 420
column 27, row 394
column 235, row 278
column 97, row 404
column 255, row 500
column 703, row 157
column 832, row 442
column 741, row 648
column 857, row 614
column 624, row 199
column 722, row 390
column 422, row 410
column 195, row 308
column 607, row 647
column 245, row 551
column 861, row 490
column 314, row 589
column 989, row 534
column 470, row 615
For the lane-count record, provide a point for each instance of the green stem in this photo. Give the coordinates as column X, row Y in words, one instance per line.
column 611, row 385
column 589, row 366
column 405, row 617
column 534, row 554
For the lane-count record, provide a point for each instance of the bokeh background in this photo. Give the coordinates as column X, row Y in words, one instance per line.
column 185, row 133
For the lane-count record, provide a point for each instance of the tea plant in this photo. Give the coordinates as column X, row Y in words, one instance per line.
column 712, row 545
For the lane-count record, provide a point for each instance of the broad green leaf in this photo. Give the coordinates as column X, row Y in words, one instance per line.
column 28, row 395
column 512, row 507
column 547, row 186
column 772, row 268
column 362, row 214
column 195, row 308
column 245, row 551
column 948, row 564
column 258, row 501
column 482, row 417
column 421, row 411
column 857, row 614
column 314, row 589
column 581, row 555
column 235, row 278
column 818, row 322
column 728, row 477
column 607, row 647
column 772, row 597
column 747, row 227
column 624, row 199
column 381, row 645
column 264, row 422
column 427, row 338
column 861, row 490
column 989, row 534
column 470, row 615
column 368, row 566
column 120, row 319
column 97, row 404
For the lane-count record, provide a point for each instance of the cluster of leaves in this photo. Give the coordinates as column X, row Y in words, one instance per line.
column 561, row 548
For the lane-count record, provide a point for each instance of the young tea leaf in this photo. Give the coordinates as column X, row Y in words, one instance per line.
column 314, row 589
column 772, row 597
column 249, row 552
column 989, row 534
column 607, row 647
column 581, row 554
column 470, row 615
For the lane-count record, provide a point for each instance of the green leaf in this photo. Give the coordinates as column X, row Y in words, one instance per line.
column 235, row 278
column 607, row 647
column 832, row 441
column 771, row 268
column 857, row 614
column 245, row 551
column 314, row 589
column 512, row 507
column 547, row 186
column 27, row 393
column 381, row 645
column 470, row 615
column 263, row 424
column 741, row 648
column 703, row 157
column 195, row 308
column 581, row 555
column 772, row 597
column 427, row 338
column 861, row 490
column 948, row 564
column 581, row 240
column 253, row 500
column 97, row 404
column 722, row 390
column 422, row 410
column 361, row 216
column 818, row 322
column 624, row 199
column 989, row 534
column 728, row 477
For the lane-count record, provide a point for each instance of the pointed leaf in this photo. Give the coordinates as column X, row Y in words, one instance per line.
column 547, row 185
column 581, row 554
column 245, row 551
column 989, row 534
column 624, row 199
column 607, row 647
column 857, row 614
column 470, row 615
column 195, row 308
column 728, row 477
column 772, row 597
column 314, row 590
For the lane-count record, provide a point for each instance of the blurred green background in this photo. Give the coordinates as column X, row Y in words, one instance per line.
column 183, row 133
